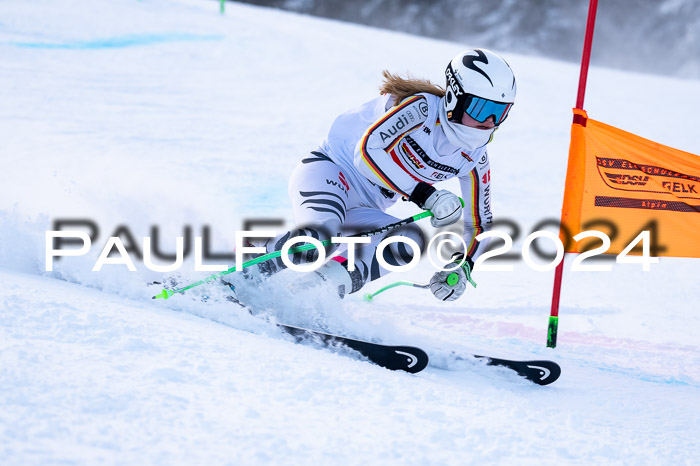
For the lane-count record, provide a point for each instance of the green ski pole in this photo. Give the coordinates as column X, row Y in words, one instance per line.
column 165, row 294
column 451, row 280
column 370, row 296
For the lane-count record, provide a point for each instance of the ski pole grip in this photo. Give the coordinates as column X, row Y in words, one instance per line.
column 427, row 213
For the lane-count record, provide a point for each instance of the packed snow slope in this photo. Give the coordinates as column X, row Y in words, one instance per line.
column 165, row 113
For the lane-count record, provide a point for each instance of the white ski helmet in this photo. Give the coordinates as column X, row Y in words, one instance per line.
column 480, row 83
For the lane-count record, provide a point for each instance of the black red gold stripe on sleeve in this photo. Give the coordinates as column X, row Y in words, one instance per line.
column 381, row 175
column 400, row 136
column 474, row 214
column 374, row 167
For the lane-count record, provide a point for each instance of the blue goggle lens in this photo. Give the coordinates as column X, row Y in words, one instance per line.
column 481, row 109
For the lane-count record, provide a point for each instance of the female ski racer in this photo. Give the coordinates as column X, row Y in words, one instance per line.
column 398, row 145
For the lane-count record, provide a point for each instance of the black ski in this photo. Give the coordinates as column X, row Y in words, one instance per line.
column 540, row 372
column 395, row 358
column 409, row 358
column 404, row 358
column 412, row 359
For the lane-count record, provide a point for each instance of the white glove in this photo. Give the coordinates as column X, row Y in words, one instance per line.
column 445, row 206
column 450, row 285
column 448, row 290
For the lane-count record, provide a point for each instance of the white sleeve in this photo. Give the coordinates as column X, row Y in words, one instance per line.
column 476, row 192
column 373, row 157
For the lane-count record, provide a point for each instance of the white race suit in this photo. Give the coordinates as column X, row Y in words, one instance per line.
column 373, row 155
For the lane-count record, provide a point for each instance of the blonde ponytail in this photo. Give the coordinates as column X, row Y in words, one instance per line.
column 401, row 88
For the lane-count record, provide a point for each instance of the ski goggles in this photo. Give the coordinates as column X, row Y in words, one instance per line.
column 481, row 109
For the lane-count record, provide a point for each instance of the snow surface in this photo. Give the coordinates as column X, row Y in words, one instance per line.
column 166, row 113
